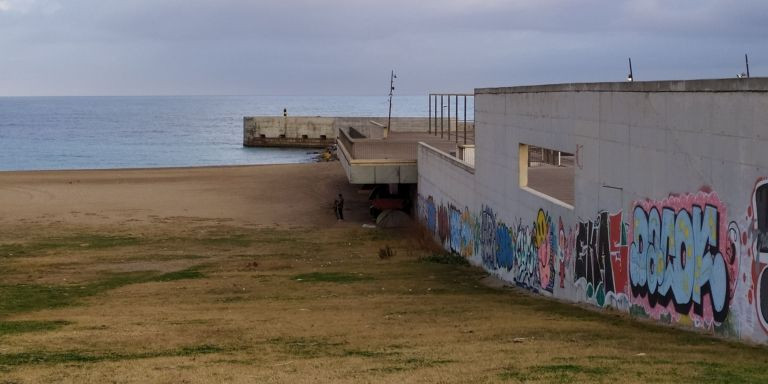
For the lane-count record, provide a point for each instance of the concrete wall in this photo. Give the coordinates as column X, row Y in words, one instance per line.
column 665, row 217
column 288, row 131
column 291, row 130
column 466, row 153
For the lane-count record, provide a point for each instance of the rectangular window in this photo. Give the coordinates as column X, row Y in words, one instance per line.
column 547, row 171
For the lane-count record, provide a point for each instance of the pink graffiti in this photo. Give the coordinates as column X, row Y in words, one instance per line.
column 566, row 243
column 545, row 267
column 755, row 240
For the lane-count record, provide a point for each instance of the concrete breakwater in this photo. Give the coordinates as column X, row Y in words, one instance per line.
column 318, row 132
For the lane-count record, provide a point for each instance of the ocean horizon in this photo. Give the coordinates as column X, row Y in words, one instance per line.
column 114, row 132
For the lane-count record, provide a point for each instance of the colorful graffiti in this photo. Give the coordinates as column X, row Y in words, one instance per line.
column 602, row 259
column 535, row 256
column 524, row 252
column 429, row 213
column 677, row 262
column 758, row 249
column 453, row 227
column 524, row 258
column 566, row 245
column 546, row 241
column 443, row 224
column 751, row 245
column 462, row 238
column 487, row 238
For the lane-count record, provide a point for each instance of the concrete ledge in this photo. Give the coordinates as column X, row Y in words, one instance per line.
column 547, row 197
column 287, row 142
column 453, row 160
column 753, row 84
column 377, row 171
column 305, row 131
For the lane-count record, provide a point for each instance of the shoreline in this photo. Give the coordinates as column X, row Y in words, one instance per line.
column 161, row 168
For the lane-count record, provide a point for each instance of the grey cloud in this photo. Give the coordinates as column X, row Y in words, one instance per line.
column 348, row 47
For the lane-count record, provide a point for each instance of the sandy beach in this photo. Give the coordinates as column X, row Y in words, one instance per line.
column 263, row 195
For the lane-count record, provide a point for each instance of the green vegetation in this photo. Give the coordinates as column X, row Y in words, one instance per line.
column 445, row 258
column 411, row 363
column 393, row 361
column 236, row 240
column 48, row 357
column 568, row 369
column 307, row 347
column 513, row 374
column 69, row 242
column 734, row 372
column 30, row 297
column 24, row 326
column 184, row 274
column 555, row 373
column 369, row 354
column 331, row 277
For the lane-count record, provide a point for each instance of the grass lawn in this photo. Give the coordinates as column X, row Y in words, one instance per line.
column 246, row 305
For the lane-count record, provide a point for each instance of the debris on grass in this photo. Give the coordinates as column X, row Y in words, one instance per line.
column 386, row 253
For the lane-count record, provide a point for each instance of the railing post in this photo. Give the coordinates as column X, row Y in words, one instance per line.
column 456, row 130
column 430, row 115
column 465, row 119
column 435, row 115
column 441, row 116
column 449, row 117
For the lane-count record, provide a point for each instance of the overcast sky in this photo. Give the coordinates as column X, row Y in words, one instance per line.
column 347, row 47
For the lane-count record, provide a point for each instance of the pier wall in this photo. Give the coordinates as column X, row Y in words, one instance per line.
column 308, row 131
column 669, row 216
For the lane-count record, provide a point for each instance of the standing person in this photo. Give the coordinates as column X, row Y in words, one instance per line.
column 336, row 208
column 340, row 208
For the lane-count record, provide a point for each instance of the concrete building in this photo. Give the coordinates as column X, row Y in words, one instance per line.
column 374, row 150
column 665, row 209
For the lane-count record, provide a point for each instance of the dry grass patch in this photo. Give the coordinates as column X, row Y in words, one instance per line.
column 231, row 304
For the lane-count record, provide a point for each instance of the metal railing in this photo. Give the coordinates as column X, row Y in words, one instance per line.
column 386, row 149
column 467, row 127
column 538, row 156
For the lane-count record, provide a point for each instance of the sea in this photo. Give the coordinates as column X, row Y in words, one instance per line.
column 53, row 133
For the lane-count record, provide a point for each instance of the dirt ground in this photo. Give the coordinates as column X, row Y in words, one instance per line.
column 243, row 275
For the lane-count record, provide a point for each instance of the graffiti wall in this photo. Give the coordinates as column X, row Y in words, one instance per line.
column 668, row 220
column 533, row 255
column 683, row 259
column 602, row 260
column 755, row 241
column 680, row 264
column 748, row 241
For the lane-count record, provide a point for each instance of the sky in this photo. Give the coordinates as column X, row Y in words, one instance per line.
column 349, row 47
